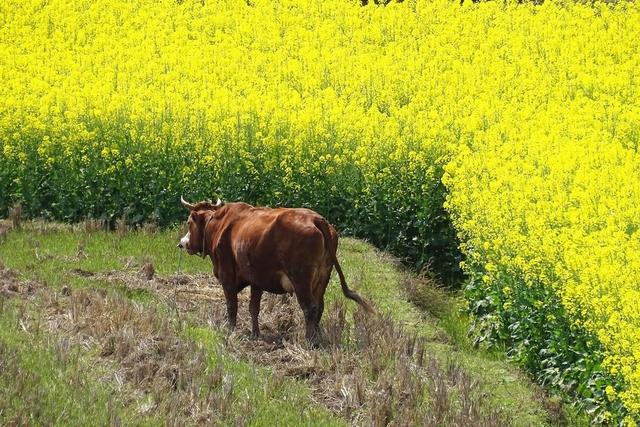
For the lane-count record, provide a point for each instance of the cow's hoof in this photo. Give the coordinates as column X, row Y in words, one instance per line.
column 314, row 341
column 315, row 344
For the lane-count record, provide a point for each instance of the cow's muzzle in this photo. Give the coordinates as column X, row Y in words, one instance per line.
column 184, row 242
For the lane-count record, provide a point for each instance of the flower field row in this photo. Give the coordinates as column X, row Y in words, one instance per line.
column 115, row 108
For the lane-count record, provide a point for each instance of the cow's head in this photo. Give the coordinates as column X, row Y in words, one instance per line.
column 200, row 214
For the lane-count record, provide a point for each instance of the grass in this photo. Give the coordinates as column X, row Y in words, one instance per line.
column 121, row 326
column 47, row 381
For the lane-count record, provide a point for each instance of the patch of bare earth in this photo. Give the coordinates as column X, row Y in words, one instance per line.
column 370, row 371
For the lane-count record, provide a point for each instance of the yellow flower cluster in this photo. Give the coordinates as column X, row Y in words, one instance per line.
column 544, row 194
column 111, row 107
column 562, row 213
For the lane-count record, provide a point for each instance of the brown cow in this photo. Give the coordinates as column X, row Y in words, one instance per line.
column 274, row 250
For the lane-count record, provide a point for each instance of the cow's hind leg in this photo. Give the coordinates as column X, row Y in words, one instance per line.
column 319, row 290
column 311, row 316
column 232, row 307
column 254, row 309
column 310, row 309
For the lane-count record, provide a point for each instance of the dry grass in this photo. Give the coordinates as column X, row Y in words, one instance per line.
column 427, row 294
column 149, row 228
column 10, row 286
column 138, row 347
column 148, row 269
column 122, row 228
column 15, row 215
column 91, row 225
column 149, row 355
column 40, row 226
column 370, row 371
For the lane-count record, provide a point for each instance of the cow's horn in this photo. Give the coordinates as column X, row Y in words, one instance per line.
column 186, row 204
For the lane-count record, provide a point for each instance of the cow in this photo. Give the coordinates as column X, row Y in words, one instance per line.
column 283, row 250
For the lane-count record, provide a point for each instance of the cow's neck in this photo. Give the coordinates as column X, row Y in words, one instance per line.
column 204, row 236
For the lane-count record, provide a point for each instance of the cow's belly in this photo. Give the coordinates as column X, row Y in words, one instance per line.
column 277, row 283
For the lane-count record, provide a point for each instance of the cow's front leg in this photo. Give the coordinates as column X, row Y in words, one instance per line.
column 254, row 309
column 232, row 307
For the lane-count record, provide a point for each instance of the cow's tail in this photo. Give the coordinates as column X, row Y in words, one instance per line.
column 323, row 226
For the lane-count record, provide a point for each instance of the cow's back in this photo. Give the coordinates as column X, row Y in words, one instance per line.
column 267, row 243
